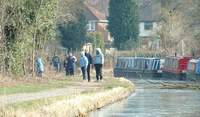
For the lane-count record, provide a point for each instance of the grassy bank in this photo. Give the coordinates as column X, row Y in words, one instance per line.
column 108, row 91
column 48, row 82
column 33, row 85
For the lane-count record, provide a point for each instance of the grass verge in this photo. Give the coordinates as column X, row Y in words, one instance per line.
column 112, row 90
column 29, row 87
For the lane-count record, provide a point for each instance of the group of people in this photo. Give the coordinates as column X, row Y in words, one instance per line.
column 86, row 62
column 70, row 64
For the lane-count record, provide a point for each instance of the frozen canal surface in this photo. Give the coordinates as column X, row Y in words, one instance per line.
column 154, row 102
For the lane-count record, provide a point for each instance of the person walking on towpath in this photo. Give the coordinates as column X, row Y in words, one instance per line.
column 98, row 63
column 39, row 66
column 70, row 64
column 89, row 57
column 84, row 65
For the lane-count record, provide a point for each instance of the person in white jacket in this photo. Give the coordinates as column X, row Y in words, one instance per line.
column 98, row 63
column 84, row 64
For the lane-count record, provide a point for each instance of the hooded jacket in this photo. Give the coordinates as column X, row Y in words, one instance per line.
column 40, row 65
column 99, row 58
column 83, row 60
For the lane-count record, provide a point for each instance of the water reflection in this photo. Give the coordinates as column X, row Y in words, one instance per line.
column 155, row 103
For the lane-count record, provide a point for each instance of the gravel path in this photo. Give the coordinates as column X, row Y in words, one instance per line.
column 21, row 97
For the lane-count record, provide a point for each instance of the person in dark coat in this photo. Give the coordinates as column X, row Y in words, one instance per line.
column 89, row 57
column 56, row 63
column 70, row 64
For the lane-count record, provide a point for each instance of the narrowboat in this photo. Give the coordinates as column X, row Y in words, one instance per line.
column 193, row 72
column 175, row 67
column 137, row 67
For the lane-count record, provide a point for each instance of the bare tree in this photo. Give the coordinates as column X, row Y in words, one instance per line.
column 176, row 30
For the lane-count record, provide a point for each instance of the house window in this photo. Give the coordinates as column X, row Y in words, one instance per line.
column 148, row 25
column 91, row 26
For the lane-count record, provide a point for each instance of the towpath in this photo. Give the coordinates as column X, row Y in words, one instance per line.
column 67, row 91
column 80, row 87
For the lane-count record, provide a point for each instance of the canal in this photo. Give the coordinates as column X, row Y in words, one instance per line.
column 151, row 101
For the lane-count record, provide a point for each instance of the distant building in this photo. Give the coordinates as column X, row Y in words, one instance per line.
column 97, row 19
column 149, row 17
column 101, row 5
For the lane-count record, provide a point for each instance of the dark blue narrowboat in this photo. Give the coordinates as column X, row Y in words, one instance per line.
column 137, row 67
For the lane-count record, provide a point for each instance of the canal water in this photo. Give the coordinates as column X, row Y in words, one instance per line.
column 150, row 101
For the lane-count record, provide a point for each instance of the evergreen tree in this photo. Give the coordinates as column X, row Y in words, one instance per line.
column 73, row 34
column 123, row 21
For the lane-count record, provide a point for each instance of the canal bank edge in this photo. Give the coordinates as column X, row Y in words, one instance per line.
column 81, row 104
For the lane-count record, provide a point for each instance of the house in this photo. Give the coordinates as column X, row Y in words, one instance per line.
column 96, row 16
column 149, row 17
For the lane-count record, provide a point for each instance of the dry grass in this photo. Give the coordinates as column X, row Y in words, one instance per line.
column 49, row 81
column 78, row 105
column 10, row 81
column 34, row 85
column 180, row 86
column 6, row 81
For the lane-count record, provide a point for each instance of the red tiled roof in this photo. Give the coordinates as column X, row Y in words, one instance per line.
column 99, row 15
column 101, row 5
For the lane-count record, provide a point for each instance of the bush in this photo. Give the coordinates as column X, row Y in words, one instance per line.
column 130, row 44
column 97, row 39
